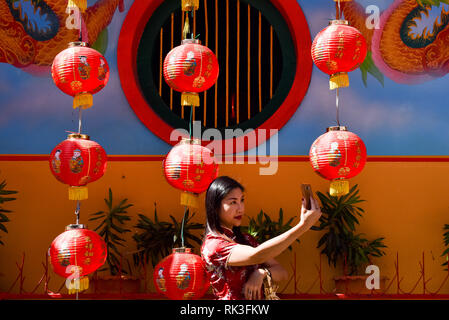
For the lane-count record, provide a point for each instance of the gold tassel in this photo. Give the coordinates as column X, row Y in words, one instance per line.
column 189, row 5
column 190, row 99
column 81, row 4
column 339, row 80
column 189, row 199
column 78, row 193
column 83, row 100
column 79, row 284
column 339, row 188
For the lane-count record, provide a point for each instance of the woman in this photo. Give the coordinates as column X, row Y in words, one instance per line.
column 236, row 263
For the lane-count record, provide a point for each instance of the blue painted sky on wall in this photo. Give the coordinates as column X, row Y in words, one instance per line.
column 394, row 119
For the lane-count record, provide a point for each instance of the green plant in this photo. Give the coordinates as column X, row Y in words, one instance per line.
column 156, row 238
column 3, row 217
column 112, row 226
column 446, row 243
column 339, row 242
column 262, row 228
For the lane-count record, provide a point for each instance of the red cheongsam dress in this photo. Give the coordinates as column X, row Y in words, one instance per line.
column 226, row 281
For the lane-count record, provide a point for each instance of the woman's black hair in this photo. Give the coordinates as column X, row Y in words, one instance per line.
column 217, row 191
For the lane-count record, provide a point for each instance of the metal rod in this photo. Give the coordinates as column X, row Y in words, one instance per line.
column 161, row 61
column 216, row 54
column 260, row 61
column 237, row 79
column 79, row 119
column 171, row 47
column 227, row 63
column 206, row 24
column 249, row 62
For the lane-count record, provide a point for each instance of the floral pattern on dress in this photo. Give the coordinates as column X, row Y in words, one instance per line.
column 226, row 281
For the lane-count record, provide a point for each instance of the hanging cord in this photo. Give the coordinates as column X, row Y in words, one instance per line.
column 337, row 98
column 182, row 226
column 339, row 11
column 186, row 28
column 79, row 119
column 186, row 208
column 191, row 15
column 77, row 212
column 80, row 20
column 190, row 122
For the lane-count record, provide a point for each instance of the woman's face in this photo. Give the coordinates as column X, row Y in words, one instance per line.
column 232, row 209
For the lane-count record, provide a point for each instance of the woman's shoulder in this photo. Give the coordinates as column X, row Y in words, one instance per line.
column 214, row 240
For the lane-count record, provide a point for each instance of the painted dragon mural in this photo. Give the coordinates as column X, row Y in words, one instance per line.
column 33, row 32
column 396, row 49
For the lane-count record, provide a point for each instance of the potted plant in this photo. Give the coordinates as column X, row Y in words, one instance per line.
column 112, row 225
column 262, row 228
column 446, row 243
column 342, row 245
column 156, row 239
column 4, row 198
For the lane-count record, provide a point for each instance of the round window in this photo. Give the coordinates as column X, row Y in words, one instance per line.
column 263, row 49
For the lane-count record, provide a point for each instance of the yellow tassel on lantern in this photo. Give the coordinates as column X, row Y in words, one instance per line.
column 339, row 188
column 190, row 99
column 77, row 285
column 78, row 193
column 81, row 4
column 83, row 100
column 339, row 80
column 189, row 199
column 189, row 5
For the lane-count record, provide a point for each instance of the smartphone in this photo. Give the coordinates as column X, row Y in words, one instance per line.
column 307, row 194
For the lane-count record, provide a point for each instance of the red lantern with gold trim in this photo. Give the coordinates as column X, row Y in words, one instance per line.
column 76, row 253
column 78, row 161
column 190, row 167
column 337, row 50
column 190, row 68
column 181, row 276
column 338, row 155
column 80, row 72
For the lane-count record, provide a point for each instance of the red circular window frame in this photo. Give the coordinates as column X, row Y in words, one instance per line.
column 131, row 33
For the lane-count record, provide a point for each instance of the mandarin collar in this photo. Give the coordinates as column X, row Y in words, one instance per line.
column 228, row 232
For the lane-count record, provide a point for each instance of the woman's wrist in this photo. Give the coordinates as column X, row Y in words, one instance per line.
column 263, row 272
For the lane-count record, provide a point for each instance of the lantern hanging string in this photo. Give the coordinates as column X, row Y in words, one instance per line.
column 79, row 120
column 80, row 25
column 186, row 208
column 182, row 226
column 186, row 29
column 338, row 10
column 82, row 38
column 191, row 15
column 83, row 33
column 77, row 212
column 337, row 100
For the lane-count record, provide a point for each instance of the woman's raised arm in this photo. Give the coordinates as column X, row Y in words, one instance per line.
column 243, row 255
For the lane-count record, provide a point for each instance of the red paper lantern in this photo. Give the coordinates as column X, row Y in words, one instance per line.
column 76, row 253
column 190, row 167
column 337, row 50
column 80, row 72
column 181, row 276
column 190, row 68
column 78, row 161
column 338, row 155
